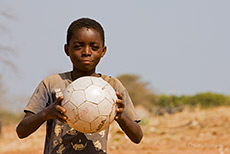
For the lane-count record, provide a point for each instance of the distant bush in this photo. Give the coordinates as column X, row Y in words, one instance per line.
column 208, row 100
column 140, row 94
column 170, row 101
column 203, row 100
column 137, row 89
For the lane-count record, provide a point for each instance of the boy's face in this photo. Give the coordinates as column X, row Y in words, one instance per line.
column 85, row 49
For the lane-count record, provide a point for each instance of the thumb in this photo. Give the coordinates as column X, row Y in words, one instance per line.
column 58, row 101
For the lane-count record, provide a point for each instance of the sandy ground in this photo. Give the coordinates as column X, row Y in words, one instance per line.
column 187, row 132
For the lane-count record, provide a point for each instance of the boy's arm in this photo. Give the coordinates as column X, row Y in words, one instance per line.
column 31, row 122
column 130, row 127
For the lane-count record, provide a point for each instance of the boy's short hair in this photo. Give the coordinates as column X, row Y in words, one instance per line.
column 85, row 22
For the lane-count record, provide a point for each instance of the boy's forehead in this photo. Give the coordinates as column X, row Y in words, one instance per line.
column 86, row 33
column 86, row 29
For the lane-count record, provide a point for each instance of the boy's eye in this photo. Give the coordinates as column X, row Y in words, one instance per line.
column 77, row 46
column 95, row 47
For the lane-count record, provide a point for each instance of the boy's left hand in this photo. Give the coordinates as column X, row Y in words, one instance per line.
column 120, row 106
column 129, row 126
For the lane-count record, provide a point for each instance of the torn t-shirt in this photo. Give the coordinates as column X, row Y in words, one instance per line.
column 62, row 139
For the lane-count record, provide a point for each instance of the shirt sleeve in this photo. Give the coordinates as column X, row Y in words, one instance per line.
column 38, row 100
column 129, row 107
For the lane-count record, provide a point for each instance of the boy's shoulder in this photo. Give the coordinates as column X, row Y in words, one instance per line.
column 57, row 81
column 109, row 79
column 58, row 77
column 114, row 82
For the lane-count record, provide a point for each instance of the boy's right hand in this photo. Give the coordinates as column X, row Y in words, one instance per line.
column 56, row 111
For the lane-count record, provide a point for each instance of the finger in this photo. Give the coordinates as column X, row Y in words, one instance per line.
column 116, row 118
column 60, row 109
column 58, row 101
column 61, row 116
column 120, row 103
column 61, row 120
column 118, row 95
column 119, row 110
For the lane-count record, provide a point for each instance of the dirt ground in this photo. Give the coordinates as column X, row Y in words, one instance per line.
column 188, row 132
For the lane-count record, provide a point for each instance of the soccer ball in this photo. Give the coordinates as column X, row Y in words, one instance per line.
column 90, row 103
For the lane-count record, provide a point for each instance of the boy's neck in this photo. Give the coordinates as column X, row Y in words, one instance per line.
column 75, row 74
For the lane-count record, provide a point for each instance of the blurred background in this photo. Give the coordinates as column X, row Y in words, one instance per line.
column 172, row 56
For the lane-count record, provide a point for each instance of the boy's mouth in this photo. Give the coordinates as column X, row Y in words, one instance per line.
column 86, row 61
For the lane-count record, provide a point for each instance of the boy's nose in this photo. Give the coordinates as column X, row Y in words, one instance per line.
column 86, row 51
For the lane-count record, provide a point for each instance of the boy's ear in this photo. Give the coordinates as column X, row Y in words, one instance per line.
column 66, row 48
column 104, row 51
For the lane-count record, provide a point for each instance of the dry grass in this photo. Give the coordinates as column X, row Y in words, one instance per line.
column 187, row 132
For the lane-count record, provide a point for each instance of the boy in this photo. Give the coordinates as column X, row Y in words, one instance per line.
column 85, row 47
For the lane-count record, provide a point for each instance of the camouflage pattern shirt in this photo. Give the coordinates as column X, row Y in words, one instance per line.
column 60, row 138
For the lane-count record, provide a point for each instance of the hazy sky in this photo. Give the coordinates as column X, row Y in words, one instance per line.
column 178, row 46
